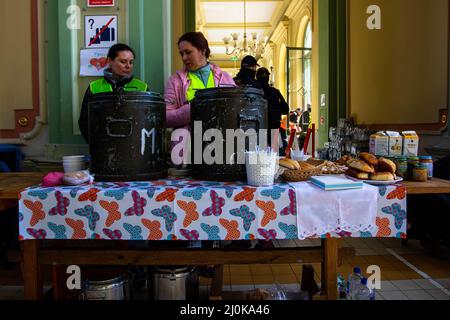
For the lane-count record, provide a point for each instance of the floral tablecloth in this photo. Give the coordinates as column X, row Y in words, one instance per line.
column 174, row 209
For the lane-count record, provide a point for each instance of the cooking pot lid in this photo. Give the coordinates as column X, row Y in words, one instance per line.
column 227, row 91
column 126, row 96
column 173, row 270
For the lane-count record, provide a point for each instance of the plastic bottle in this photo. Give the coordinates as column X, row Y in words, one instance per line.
column 342, row 287
column 364, row 292
column 354, row 281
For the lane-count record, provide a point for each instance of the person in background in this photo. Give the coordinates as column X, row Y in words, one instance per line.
column 293, row 123
column 119, row 75
column 283, row 133
column 247, row 74
column 276, row 104
column 305, row 119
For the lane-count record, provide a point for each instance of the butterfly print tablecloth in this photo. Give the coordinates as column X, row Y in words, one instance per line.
column 183, row 210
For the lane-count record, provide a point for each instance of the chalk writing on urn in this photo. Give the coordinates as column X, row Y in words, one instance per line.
column 147, row 135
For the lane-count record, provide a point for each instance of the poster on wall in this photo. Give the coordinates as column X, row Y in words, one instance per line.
column 100, row 31
column 100, row 3
column 93, row 62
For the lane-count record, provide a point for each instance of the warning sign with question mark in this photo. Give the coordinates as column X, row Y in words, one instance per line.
column 100, row 31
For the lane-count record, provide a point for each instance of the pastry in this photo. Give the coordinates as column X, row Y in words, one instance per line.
column 289, row 164
column 345, row 160
column 357, row 174
column 382, row 176
column 361, row 166
column 369, row 158
column 386, row 165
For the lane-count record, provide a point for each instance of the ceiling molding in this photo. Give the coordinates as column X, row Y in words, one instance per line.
column 253, row 25
column 280, row 32
column 295, row 7
column 212, row 1
column 281, row 17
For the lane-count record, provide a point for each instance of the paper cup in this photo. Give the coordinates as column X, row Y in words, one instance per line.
column 74, row 163
column 74, row 158
column 73, row 167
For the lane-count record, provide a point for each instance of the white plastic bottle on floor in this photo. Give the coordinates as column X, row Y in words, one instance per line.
column 354, row 282
column 364, row 292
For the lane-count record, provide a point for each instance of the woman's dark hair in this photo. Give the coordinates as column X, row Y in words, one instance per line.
column 115, row 49
column 198, row 40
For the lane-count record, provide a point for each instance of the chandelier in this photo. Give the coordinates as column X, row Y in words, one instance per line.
column 245, row 47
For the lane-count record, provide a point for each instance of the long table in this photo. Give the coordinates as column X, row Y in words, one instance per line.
column 34, row 255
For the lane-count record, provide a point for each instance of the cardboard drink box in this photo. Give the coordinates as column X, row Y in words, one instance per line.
column 379, row 144
column 395, row 143
column 410, row 143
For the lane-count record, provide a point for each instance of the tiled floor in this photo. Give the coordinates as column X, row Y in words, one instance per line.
column 399, row 281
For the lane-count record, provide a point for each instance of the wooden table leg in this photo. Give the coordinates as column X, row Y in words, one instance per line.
column 217, row 283
column 31, row 270
column 329, row 268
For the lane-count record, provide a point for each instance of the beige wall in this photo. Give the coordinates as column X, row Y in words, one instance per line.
column 398, row 75
column 315, row 63
column 15, row 60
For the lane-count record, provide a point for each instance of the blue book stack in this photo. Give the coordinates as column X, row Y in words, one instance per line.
column 332, row 182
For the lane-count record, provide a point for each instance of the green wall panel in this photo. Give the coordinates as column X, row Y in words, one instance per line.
column 324, row 70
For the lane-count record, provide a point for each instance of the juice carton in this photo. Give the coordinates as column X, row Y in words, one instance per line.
column 395, row 143
column 410, row 143
column 379, row 144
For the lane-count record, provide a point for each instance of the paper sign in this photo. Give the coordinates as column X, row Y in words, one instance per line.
column 100, row 31
column 93, row 62
column 100, row 3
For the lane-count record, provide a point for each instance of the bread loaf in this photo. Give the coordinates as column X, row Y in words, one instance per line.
column 289, row 164
column 382, row 176
column 357, row 174
column 369, row 158
column 386, row 165
column 360, row 165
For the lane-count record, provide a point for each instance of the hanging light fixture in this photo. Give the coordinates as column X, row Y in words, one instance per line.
column 253, row 47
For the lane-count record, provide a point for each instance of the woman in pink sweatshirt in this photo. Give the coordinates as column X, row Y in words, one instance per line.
column 197, row 74
column 194, row 51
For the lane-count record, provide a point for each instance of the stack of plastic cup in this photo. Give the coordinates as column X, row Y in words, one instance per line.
column 74, row 163
column 261, row 167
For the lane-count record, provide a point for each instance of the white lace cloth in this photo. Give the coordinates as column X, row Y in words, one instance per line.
column 320, row 212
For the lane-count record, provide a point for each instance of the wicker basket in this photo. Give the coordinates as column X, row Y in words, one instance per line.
column 316, row 162
column 300, row 175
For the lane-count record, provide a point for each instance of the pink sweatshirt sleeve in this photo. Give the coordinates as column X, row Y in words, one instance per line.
column 176, row 115
column 227, row 79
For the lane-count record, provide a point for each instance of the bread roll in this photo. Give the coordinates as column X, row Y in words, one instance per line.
column 369, row 158
column 382, row 176
column 289, row 164
column 306, row 166
column 360, row 165
column 357, row 174
column 386, row 165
